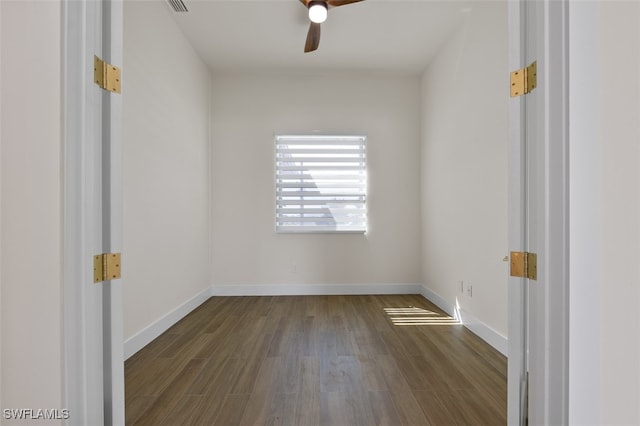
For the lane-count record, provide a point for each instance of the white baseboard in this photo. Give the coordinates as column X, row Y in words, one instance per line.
column 482, row 330
column 149, row 333
column 428, row 294
column 486, row 333
column 314, row 289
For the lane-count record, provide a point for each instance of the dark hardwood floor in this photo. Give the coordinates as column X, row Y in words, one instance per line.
column 317, row 360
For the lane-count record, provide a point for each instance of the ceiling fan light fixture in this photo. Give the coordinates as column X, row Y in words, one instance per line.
column 318, row 11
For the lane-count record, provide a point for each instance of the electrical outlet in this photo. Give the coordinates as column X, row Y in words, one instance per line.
column 469, row 290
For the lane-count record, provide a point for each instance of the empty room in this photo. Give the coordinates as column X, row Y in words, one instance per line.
column 332, row 218
column 201, row 223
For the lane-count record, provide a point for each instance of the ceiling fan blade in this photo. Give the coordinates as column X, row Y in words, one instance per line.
column 305, row 2
column 336, row 3
column 313, row 38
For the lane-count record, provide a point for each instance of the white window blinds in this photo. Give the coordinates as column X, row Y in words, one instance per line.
column 321, row 183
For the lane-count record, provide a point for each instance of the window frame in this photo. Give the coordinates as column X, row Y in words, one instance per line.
column 355, row 171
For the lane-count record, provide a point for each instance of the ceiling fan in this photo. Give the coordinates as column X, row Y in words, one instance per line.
column 317, row 15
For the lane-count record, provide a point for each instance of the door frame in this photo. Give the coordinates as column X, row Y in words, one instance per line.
column 92, row 215
column 517, row 303
column 548, row 354
column 113, row 321
column 545, row 25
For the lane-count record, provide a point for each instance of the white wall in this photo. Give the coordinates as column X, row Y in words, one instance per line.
column 585, row 219
column 619, row 149
column 605, row 214
column 31, row 202
column 166, row 96
column 246, row 111
column 464, row 167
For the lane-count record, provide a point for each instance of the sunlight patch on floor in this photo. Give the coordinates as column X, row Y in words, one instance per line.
column 418, row 316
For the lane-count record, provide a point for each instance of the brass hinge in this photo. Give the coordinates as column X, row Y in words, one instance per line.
column 106, row 267
column 106, row 75
column 524, row 265
column 524, row 80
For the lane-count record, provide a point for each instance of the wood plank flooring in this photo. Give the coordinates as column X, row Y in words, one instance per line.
column 317, row 360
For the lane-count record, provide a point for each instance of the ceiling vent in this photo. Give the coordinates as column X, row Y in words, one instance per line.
column 178, row 5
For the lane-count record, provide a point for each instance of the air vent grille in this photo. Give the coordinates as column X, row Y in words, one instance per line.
column 178, row 5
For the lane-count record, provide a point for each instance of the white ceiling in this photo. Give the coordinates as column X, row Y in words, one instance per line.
column 382, row 36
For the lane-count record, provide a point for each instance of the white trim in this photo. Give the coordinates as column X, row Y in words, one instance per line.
column 477, row 327
column 549, row 295
column 485, row 332
column 517, row 304
column 162, row 324
column 314, row 289
column 440, row 302
column 112, row 226
column 83, row 332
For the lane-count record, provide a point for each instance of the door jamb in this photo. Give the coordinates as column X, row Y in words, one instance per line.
column 81, row 378
column 516, row 368
column 113, row 347
column 549, row 356
column 83, row 36
column 549, row 307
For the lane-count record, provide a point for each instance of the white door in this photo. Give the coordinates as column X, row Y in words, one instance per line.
column 538, row 216
column 94, row 361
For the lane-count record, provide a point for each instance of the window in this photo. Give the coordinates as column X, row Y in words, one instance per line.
column 321, row 183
